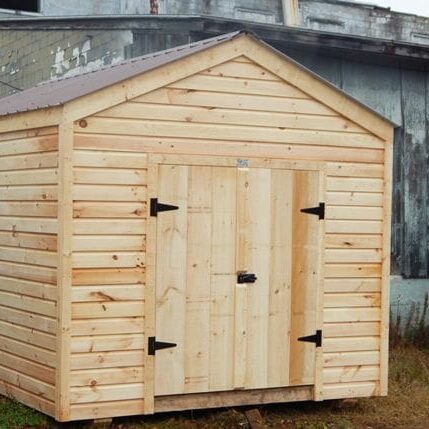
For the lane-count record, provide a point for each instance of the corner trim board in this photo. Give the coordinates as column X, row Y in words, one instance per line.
column 64, row 272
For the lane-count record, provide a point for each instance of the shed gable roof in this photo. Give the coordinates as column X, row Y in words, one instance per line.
column 60, row 91
column 71, row 89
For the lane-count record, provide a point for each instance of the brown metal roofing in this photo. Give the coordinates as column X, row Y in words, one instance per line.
column 57, row 92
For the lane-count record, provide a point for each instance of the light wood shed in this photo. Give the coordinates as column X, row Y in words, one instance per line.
column 201, row 227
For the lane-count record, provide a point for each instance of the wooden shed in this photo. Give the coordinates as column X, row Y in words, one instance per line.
column 201, row 227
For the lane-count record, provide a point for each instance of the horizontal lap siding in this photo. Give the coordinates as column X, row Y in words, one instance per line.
column 239, row 109
column 28, row 263
column 108, row 344
column 352, row 301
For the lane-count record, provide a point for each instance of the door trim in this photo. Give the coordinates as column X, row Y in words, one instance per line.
column 149, row 291
column 238, row 162
column 233, row 398
column 318, row 367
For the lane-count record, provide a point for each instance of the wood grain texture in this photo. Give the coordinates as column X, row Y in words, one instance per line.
column 109, row 308
column 327, row 95
column 172, row 232
column 223, row 278
column 218, row 115
column 199, row 249
column 236, row 69
column 28, row 254
column 226, row 148
column 350, row 390
column 306, row 242
column 385, row 279
column 64, row 279
column 233, row 132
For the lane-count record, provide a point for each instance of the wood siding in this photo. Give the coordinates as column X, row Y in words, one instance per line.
column 239, row 109
column 108, row 259
column 28, row 263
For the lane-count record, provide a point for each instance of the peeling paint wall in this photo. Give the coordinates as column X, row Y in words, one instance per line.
column 89, row 55
column 30, row 57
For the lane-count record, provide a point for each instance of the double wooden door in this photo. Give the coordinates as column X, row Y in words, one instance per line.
column 237, row 275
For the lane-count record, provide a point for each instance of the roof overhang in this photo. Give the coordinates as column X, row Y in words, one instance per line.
column 383, row 51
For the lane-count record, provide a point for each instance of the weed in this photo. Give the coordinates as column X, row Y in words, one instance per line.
column 14, row 415
column 415, row 330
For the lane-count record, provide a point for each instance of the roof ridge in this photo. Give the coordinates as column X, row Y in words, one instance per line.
column 148, row 56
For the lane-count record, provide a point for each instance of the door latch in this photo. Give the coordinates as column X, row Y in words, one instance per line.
column 246, row 278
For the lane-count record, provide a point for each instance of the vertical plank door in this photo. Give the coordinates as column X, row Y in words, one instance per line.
column 306, row 254
column 195, row 279
column 264, row 231
column 233, row 334
column 171, row 278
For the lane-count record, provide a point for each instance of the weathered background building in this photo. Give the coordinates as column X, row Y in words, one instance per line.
column 379, row 56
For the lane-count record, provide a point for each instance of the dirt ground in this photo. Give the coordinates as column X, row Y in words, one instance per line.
column 406, row 407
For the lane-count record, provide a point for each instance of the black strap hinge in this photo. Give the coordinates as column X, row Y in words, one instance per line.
column 154, row 345
column 316, row 338
column 156, row 207
column 319, row 210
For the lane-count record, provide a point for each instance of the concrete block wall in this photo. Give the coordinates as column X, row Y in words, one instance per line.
column 338, row 16
column 407, row 302
column 268, row 11
column 30, row 57
column 363, row 19
column 80, row 7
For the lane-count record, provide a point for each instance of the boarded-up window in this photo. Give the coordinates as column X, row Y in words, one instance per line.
column 24, row 5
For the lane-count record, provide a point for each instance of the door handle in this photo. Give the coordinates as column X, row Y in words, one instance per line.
column 246, row 278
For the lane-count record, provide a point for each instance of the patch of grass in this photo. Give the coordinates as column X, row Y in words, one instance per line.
column 201, row 419
column 407, row 406
column 14, row 415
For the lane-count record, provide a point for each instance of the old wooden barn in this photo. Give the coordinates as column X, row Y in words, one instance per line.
column 205, row 226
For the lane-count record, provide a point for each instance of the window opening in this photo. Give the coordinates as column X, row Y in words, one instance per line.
column 22, row 5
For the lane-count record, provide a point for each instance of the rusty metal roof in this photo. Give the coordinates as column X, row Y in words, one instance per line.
column 57, row 92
